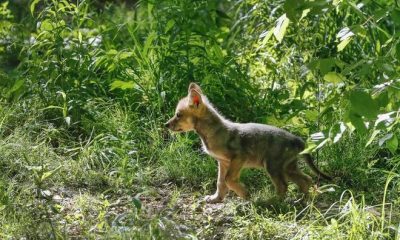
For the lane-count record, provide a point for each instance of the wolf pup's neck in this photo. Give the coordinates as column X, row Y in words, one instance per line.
column 210, row 124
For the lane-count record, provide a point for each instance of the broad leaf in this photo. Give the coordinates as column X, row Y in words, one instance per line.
column 149, row 41
column 385, row 138
column 343, row 44
column 33, row 5
column 344, row 34
column 358, row 122
column 392, row 144
column 124, row 55
column 315, row 137
column 334, row 77
column 17, row 85
column 280, row 27
column 49, row 173
column 384, row 120
column 363, row 104
column 382, row 99
column 293, row 9
column 122, row 85
column 337, row 131
column 325, row 65
column 373, row 136
column 169, row 25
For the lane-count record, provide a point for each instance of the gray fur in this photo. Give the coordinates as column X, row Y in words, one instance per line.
column 239, row 145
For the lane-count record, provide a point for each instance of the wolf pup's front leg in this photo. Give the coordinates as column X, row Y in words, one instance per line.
column 222, row 188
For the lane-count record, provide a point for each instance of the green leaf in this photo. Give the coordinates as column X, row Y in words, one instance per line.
column 80, row 36
column 169, row 25
column 363, row 104
column 49, row 174
column 46, row 25
column 325, row 65
column 360, row 30
column 124, row 55
column 112, row 52
column 334, row 77
column 122, row 85
column 384, row 120
column 343, row 44
column 280, row 27
column 64, row 96
column 382, row 99
column 293, row 9
column 310, row 148
column 68, row 120
column 358, row 122
column 317, row 7
column 217, row 51
column 34, row 168
column 222, row 14
column 265, row 36
column 52, row 107
column 316, row 137
column 137, row 203
column 385, row 138
column 336, row 131
column 344, row 36
column 395, row 14
column 392, row 144
column 373, row 136
column 321, row 144
column 33, row 5
column 148, row 42
column 311, row 115
column 17, row 85
column 150, row 7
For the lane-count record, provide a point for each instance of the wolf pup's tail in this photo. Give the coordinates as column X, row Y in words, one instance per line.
column 307, row 157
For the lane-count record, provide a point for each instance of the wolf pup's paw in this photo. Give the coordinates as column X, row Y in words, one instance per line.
column 213, row 198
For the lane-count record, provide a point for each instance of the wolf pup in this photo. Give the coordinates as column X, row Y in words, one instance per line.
column 242, row 145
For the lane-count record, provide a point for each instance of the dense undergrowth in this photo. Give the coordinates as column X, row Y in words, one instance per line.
column 86, row 86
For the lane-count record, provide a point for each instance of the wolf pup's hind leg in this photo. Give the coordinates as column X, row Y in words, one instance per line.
column 294, row 174
column 278, row 179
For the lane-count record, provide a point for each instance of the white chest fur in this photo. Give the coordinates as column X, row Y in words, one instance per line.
column 218, row 154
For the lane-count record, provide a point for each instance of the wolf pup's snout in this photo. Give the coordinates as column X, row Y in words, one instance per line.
column 167, row 124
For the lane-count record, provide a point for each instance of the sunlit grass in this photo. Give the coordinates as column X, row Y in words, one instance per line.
column 108, row 186
column 85, row 88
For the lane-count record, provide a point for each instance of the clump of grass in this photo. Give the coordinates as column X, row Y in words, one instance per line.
column 349, row 218
column 184, row 165
column 29, row 165
column 354, row 165
column 49, row 191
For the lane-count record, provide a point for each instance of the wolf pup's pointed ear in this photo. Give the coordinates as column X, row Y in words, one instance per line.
column 195, row 98
column 194, row 86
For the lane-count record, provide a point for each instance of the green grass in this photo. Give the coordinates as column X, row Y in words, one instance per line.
column 85, row 88
column 109, row 184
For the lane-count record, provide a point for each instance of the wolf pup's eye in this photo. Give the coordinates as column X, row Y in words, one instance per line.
column 178, row 115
